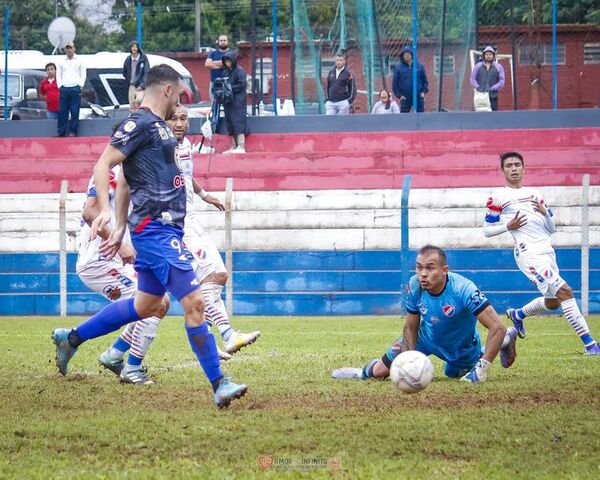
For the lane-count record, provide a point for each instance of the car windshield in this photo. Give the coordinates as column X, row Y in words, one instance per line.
column 14, row 83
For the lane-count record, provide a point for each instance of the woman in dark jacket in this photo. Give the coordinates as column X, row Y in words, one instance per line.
column 135, row 71
column 235, row 111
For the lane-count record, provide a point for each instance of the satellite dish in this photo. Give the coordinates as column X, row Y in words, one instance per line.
column 60, row 32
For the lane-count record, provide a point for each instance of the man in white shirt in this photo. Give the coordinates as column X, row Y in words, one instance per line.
column 70, row 78
column 523, row 212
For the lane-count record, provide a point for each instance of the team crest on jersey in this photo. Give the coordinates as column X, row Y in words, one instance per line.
column 129, row 126
column 162, row 131
column 448, row 310
column 112, row 292
column 423, row 309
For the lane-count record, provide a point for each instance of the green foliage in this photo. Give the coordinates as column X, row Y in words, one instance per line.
column 497, row 12
column 538, row 419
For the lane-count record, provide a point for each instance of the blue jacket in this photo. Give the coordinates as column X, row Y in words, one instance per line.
column 402, row 82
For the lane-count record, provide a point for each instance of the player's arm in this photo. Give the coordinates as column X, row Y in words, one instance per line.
column 496, row 332
column 492, row 225
column 409, row 333
column 112, row 245
column 89, row 214
column 540, row 207
column 109, row 158
column 207, row 197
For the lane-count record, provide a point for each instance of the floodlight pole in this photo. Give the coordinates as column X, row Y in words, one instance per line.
column 139, row 23
column 415, row 32
column 274, row 61
column 6, row 27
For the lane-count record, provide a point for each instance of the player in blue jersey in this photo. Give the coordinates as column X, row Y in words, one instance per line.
column 442, row 313
column 146, row 147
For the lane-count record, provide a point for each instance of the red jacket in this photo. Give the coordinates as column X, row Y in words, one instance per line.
column 50, row 90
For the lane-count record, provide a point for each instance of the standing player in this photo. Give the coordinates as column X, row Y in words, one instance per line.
column 441, row 320
column 211, row 272
column 147, row 148
column 522, row 211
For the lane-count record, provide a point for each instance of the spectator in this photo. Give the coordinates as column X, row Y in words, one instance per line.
column 215, row 64
column 70, row 78
column 235, row 109
column 488, row 76
column 402, row 82
column 385, row 104
column 341, row 88
column 135, row 71
column 49, row 92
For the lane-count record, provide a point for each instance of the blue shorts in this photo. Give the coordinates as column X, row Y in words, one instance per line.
column 454, row 369
column 163, row 262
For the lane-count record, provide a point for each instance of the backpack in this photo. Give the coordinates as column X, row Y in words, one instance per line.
column 222, row 91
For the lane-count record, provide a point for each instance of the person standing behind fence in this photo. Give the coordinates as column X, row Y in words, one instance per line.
column 49, row 92
column 214, row 62
column 70, row 78
column 385, row 104
column 341, row 88
column 488, row 76
column 402, row 82
column 235, row 110
column 135, row 71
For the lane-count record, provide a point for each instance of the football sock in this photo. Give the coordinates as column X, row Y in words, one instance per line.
column 107, row 320
column 119, row 348
column 510, row 334
column 575, row 318
column 144, row 332
column 214, row 309
column 535, row 307
column 204, row 346
column 368, row 369
column 123, row 343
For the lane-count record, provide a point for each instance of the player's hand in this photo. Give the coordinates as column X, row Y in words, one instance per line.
column 517, row 221
column 99, row 223
column 111, row 246
column 126, row 253
column 479, row 372
column 215, row 202
column 538, row 207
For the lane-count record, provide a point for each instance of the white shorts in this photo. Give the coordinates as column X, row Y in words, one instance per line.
column 205, row 251
column 542, row 270
column 111, row 279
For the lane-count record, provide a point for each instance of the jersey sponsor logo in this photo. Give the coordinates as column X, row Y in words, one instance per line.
column 166, row 217
column 477, row 297
column 448, row 310
column 129, row 126
column 121, row 278
column 122, row 137
column 423, row 309
column 178, row 181
column 112, row 292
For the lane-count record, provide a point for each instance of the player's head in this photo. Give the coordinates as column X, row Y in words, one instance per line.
column 164, row 85
column 432, row 268
column 179, row 122
column 513, row 166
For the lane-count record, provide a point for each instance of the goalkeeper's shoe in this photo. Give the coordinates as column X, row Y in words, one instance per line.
column 511, row 313
column 478, row 373
column 239, row 340
column 112, row 364
column 228, row 391
column 593, row 349
column 135, row 377
column 509, row 353
column 347, row 373
column 64, row 350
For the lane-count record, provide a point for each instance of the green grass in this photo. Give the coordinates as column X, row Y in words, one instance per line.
column 540, row 419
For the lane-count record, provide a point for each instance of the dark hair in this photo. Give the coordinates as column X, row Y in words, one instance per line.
column 389, row 100
column 342, row 54
column 162, row 73
column 506, row 155
column 50, row 65
column 432, row 248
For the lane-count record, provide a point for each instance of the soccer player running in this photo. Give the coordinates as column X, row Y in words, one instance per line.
column 115, row 278
column 210, row 272
column 442, row 313
column 146, row 147
column 523, row 212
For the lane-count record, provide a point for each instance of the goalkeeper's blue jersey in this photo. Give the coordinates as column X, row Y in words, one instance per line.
column 448, row 327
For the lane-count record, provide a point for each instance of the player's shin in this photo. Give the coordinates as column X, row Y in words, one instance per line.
column 143, row 334
column 214, row 309
column 577, row 321
column 204, row 346
column 535, row 307
column 367, row 371
column 123, row 343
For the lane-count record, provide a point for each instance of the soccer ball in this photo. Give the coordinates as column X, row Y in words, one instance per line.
column 411, row 371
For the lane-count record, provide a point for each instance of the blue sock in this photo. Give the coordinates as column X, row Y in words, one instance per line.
column 368, row 369
column 519, row 314
column 587, row 339
column 109, row 319
column 121, row 345
column 204, row 346
column 133, row 360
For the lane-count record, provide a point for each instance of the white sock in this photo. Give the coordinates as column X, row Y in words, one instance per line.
column 535, row 307
column 143, row 334
column 510, row 333
column 214, row 308
column 575, row 318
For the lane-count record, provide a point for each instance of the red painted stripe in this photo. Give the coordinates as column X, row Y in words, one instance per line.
column 142, row 224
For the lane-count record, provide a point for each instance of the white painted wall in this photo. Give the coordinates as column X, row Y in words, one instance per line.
column 327, row 219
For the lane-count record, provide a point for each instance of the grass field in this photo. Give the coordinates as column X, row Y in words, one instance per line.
column 539, row 419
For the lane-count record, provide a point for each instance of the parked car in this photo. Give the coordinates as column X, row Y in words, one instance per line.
column 22, row 86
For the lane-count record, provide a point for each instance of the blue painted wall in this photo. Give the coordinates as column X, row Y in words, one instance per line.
column 297, row 283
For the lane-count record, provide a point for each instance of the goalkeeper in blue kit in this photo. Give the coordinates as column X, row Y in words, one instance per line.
column 442, row 313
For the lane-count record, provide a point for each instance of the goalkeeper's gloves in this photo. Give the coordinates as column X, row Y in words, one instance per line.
column 479, row 372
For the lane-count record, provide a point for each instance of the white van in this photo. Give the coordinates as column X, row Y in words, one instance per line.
column 104, row 84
